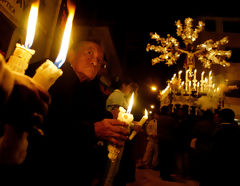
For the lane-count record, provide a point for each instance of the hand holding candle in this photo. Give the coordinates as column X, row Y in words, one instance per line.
column 141, row 122
column 126, row 117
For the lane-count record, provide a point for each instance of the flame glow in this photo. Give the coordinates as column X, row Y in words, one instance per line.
column 66, row 38
column 130, row 103
column 32, row 21
column 146, row 113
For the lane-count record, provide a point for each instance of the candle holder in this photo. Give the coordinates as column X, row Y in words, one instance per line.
column 47, row 74
column 19, row 61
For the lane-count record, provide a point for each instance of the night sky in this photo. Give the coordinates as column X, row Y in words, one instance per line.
column 130, row 23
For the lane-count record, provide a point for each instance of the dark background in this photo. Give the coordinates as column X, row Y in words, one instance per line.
column 130, row 23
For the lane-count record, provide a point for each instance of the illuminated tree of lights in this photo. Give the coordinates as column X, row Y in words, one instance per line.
column 208, row 53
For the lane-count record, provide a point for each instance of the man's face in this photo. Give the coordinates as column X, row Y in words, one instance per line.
column 87, row 61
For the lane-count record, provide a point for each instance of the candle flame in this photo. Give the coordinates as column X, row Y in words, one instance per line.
column 32, row 21
column 66, row 37
column 146, row 113
column 130, row 103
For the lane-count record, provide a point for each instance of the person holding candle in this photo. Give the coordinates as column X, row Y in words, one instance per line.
column 150, row 157
column 120, row 98
column 23, row 104
column 76, row 121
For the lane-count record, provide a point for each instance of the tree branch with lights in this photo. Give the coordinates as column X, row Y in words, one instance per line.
column 208, row 53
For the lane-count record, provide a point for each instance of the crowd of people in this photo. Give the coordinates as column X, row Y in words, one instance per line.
column 201, row 147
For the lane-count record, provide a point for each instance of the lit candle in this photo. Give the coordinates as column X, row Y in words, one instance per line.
column 186, row 80
column 48, row 73
column 202, row 75
column 202, row 82
column 195, row 74
column 19, row 61
column 206, row 85
column 140, row 123
column 179, row 75
column 190, row 86
column 197, row 86
column 186, row 75
column 210, row 74
column 195, row 80
column 179, row 79
column 174, row 76
column 126, row 117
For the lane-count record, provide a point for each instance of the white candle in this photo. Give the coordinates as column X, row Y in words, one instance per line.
column 195, row 80
column 202, row 75
column 210, row 74
column 179, row 75
column 141, row 122
column 47, row 74
column 19, row 61
column 190, row 86
column 202, row 81
column 126, row 117
column 206, row 85
column 186, row 76
column 195, row 74
column 144, row 118
column 197, row 86
column 186, row 80
column 20, row 58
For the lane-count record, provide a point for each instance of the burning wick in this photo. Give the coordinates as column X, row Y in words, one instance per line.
column 48, row 73
column 141, row 122
column 19, row 61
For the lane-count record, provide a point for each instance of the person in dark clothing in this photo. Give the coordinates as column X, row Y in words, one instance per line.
column 68, row 153
column 183, row 137
column 224, row 153
column 166, row 141
column 200, row 143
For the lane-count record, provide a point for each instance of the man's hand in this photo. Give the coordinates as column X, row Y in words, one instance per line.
column 28, row 103
column 112, row 130
column 137, row 127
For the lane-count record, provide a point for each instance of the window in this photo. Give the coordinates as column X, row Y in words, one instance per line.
column 231, row 26
column 235, row 57
column 210, row 25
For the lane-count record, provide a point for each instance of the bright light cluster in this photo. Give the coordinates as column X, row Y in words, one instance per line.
column 187, row 34
column 208, row 53
column 212, row 54
column 167, row 47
